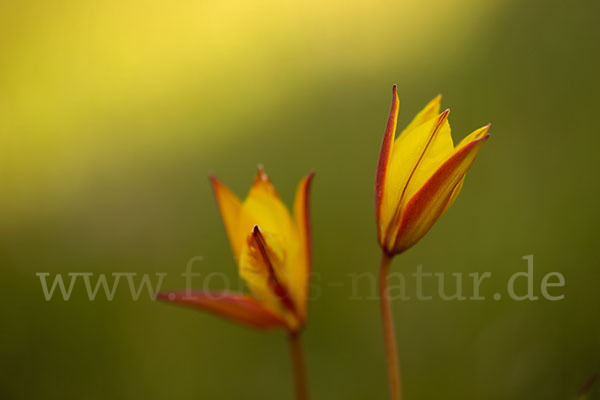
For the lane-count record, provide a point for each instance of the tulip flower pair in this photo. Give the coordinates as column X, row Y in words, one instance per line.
column 418, row 177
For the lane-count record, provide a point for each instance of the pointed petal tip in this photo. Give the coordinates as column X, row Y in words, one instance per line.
column 485, row 131
column 484, row 136
column 166, row 296
column 257, row 233
column 307, row 180
column 443, row 116
column 395, row 93
column 436, row 100
column 261, row 174
column 262, row 185
column 214, row 182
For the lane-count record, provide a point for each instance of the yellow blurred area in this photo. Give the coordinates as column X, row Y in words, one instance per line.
column 88, row 83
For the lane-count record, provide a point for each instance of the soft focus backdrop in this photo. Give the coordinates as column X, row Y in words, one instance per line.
column 112, row 114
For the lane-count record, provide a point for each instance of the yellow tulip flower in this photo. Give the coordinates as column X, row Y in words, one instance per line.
column 273, row 251
column 419, row 175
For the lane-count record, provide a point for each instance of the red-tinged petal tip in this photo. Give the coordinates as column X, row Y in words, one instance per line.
column 262, row 177
column 166, row 296
column 214, row 182
column 485, row 134
column 261, row 172
column 485, row 129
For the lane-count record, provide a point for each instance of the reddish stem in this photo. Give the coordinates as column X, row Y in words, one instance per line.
column 298, row 366
column 393, row 366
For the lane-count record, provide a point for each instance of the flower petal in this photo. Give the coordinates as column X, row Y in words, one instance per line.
column 264, row 208
column 454, row 195
column 477, row 134
column 234, row 306
column 416, row 155
column 431, row 110
column 263, row 268
column 431, row 200
column 300, row 271
column 230, row 208
column 437, row 150
column 382, row 165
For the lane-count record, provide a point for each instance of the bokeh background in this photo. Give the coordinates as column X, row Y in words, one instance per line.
column 114, row 113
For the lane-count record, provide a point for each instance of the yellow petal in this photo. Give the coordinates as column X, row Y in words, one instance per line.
column 263, row 268
column 230, row 208
column 475, row 135
column 416, row 155
column 431, row 110
column 436, row 152
column 431, row 200
column 264, row 208
column 397, row 159
column 299, row 275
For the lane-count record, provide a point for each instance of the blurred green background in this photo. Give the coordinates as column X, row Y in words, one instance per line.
column 114, row 113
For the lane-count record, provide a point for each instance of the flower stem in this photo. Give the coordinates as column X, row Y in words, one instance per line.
column 389, row 335
column 298, row 365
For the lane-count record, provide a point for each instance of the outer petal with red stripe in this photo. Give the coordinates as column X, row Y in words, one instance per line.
column 237, row 307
